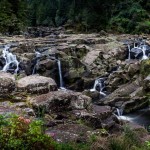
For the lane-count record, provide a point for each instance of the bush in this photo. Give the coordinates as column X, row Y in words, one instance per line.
column 129, row 140
column 23, row 134
column 143, row 27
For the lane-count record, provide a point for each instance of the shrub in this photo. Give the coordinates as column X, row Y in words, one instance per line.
column 128, row 140
column 23, row 134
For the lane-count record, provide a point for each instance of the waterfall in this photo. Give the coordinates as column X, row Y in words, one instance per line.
column 120, row 115
column 38, row 55
column 33, row 72
column 95, row 84
column 9, row 59
column 129, row 56
column 100, row 83
column 119, row 112
column 139, row 47
column 144, row 50
column 60, row 74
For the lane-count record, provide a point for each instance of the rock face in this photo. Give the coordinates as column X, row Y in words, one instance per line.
column 7, row 83
column 129, row 97
column 123, row 91
column 98, row 117
column 75, row 107
column 36, row 84
column 59, row 101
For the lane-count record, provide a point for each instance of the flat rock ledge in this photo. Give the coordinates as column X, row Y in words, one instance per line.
column 36, row 84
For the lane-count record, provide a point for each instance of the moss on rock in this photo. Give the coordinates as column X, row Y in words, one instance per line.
column 145, row 68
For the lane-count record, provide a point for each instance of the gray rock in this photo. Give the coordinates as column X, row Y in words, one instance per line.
column 146, row 83
column 69, row 133
column 122, row 91
column 135, row 104
column 7, row 83
column 98, row 117
column 94, row 95
column 60, row 101
column 36, row 84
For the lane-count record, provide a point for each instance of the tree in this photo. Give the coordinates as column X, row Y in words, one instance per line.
column 12, row 15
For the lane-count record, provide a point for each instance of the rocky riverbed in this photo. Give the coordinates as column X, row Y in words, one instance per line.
column 74, row 112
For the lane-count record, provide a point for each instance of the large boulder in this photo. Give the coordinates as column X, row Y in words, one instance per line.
column 7, row 83
column 122, row 91
column 128, row 97
column 60, row 101
column 98, row 117
column 36, row 84
column 135, row 104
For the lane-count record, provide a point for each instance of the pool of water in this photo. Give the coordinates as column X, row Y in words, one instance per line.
column 140, row 117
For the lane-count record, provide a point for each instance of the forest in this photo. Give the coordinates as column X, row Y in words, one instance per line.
column 128, row 16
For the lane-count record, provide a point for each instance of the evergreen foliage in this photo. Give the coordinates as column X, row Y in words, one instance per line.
column 12, row 15
column 130, row 16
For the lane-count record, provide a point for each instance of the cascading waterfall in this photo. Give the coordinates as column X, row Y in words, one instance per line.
column 144, row 50
column 60, row 75
column 9, row 59
column 99, row 83
column 139, row 46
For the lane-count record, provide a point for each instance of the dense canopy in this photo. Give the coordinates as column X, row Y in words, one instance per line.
column 82, row 15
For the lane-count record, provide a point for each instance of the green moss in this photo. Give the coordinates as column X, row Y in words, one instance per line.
column 145, row 68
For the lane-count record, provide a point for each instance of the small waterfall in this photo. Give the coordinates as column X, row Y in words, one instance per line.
column 129, row 55
column 60, row 74
column 95, row 84
column 9, row 59
column 139, row 46
column 33, row 72
column 119, row 112
column 38, row 55
column 144, row 50
column 99, row 83
column 120, row 115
